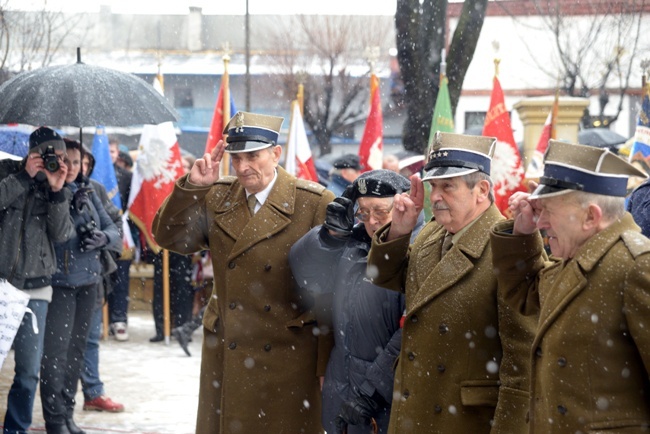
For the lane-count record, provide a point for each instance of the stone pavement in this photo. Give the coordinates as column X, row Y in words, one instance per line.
column 158, row 384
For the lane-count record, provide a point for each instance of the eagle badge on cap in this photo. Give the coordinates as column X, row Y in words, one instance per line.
column 363, row 188
column 239, row 122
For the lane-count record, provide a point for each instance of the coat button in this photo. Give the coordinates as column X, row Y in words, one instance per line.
column 561, row 409
column 267, row 308
column 406, row 393
column 441, row 368
column 538, row 352
column 437, row 409
column 232, row 305
column 527, row 416
column 443, row 328
column 231, row 264
column 414, row 318
column 411, row 356
column 267, row 267
column 562, row 362
column 232, row 345
column 267, row 347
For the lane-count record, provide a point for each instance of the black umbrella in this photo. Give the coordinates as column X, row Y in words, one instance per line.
column 601, row 138
column 82, row 95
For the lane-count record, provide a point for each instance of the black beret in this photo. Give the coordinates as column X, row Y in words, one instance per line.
column 378, row 183
column 347, row 161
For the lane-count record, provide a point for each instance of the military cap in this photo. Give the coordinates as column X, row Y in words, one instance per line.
column 459, row 154
column 347, row 161
column 249, row 132
column 377, row 183
column 569, row 167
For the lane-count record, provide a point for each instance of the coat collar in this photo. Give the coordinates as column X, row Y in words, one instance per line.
column 232, row 216
column 569, row 277
column 456, row 264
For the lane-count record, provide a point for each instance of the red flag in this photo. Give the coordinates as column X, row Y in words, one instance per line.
column 299, row 161
column 372, row 143
column 535, row 168
column 507, row 172
column 157, row 167
column 217, row 125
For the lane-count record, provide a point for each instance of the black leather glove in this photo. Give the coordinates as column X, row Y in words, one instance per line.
column 358, row 411
column 339, row 216
column 81, row 199
column 96, row 240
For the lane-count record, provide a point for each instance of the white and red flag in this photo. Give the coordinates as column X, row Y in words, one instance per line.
column 299, row 161
column 371, row 148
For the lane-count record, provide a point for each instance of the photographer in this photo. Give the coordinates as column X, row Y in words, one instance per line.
column 34, row 213
column 79, row 271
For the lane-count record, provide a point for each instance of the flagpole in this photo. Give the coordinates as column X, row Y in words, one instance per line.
column 225, row 82
column 301, row 99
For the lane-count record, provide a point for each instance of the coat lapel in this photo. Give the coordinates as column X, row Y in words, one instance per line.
column 457, row 263
column 233, row 217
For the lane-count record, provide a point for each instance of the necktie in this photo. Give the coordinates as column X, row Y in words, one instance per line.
column 446, row 243
column 252, row 201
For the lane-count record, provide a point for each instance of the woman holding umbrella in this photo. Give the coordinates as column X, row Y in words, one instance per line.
column 75, row 289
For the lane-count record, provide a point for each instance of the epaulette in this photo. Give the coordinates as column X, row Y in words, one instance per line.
column 636, row 243
column 226, row 180
column 311, row 186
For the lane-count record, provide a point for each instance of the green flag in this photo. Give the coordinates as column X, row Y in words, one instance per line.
column 442, row 119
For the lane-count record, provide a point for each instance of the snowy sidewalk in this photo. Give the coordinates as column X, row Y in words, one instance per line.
column 158, row 384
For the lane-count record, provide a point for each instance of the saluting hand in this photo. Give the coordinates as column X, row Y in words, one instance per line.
column 206, row 170
column 406, row 209
column 525, row 212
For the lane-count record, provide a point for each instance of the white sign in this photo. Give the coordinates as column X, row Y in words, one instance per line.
column 13, row 304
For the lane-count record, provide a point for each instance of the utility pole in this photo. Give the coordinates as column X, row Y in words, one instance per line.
column 248, row 61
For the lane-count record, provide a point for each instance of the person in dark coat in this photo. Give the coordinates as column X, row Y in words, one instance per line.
column 78, row 272
column 345, row 170
column 34, row 214
column 332, row 259
column 639, row 206
column 589, row 357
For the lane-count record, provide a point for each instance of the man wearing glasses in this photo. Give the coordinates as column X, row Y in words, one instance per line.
column 331, row 261
column 447, row 377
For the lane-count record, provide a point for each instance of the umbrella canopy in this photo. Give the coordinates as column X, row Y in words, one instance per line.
column 82, row 95
column 14, row 139
column 601, row 138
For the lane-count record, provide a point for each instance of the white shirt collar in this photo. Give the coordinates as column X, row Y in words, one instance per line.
column 264, row 194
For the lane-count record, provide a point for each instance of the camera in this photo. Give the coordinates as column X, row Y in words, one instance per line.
column 50, row 159
column 85, row 230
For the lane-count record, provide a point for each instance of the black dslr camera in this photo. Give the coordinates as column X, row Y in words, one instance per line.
column 50, row 159
column 85, row 231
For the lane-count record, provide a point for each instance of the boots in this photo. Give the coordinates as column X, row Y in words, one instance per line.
column 183, row 334
column 72, row 426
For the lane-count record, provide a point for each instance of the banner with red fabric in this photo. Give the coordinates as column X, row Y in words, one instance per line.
column 372, row 142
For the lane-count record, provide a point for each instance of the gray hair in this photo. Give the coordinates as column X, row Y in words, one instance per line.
column 474, row 178
column 613, row 207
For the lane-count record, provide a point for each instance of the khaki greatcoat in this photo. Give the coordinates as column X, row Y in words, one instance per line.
column 591, row 350
column 446, row 380
column 259, row 361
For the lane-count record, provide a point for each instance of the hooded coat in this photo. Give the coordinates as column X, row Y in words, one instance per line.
column 447, row 376
column 260, row 366
column 590, row 354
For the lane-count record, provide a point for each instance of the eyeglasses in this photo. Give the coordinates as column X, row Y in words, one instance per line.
column 378, row 214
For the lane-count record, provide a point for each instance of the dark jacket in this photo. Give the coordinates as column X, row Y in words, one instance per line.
column 365, row 320
column 74, row 266
column 32, row 218
column 639, row 206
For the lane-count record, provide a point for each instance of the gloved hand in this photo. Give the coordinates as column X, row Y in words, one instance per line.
column 96, row 240
column 358, row 411
column 81, row 198
column 339, row 216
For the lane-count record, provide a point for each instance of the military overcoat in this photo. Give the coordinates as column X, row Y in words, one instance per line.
column 259, row 360
column 446, row 380
column 591, row 350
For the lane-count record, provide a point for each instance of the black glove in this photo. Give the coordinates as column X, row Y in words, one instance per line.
column 339, row 216
column 96, row 240
column 81, row 198
column 358, row 411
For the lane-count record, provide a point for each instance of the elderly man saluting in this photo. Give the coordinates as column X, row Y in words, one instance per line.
column 259, row 360
column 591, row 348
column 447, row 377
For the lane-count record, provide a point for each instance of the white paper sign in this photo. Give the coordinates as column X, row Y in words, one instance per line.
column 13, row 304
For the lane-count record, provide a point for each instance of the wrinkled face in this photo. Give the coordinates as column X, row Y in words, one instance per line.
column 114, row 151
column 563, row 219
column 374, row 212
column 255, row 169
column 73, row 161
column 454, row 204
